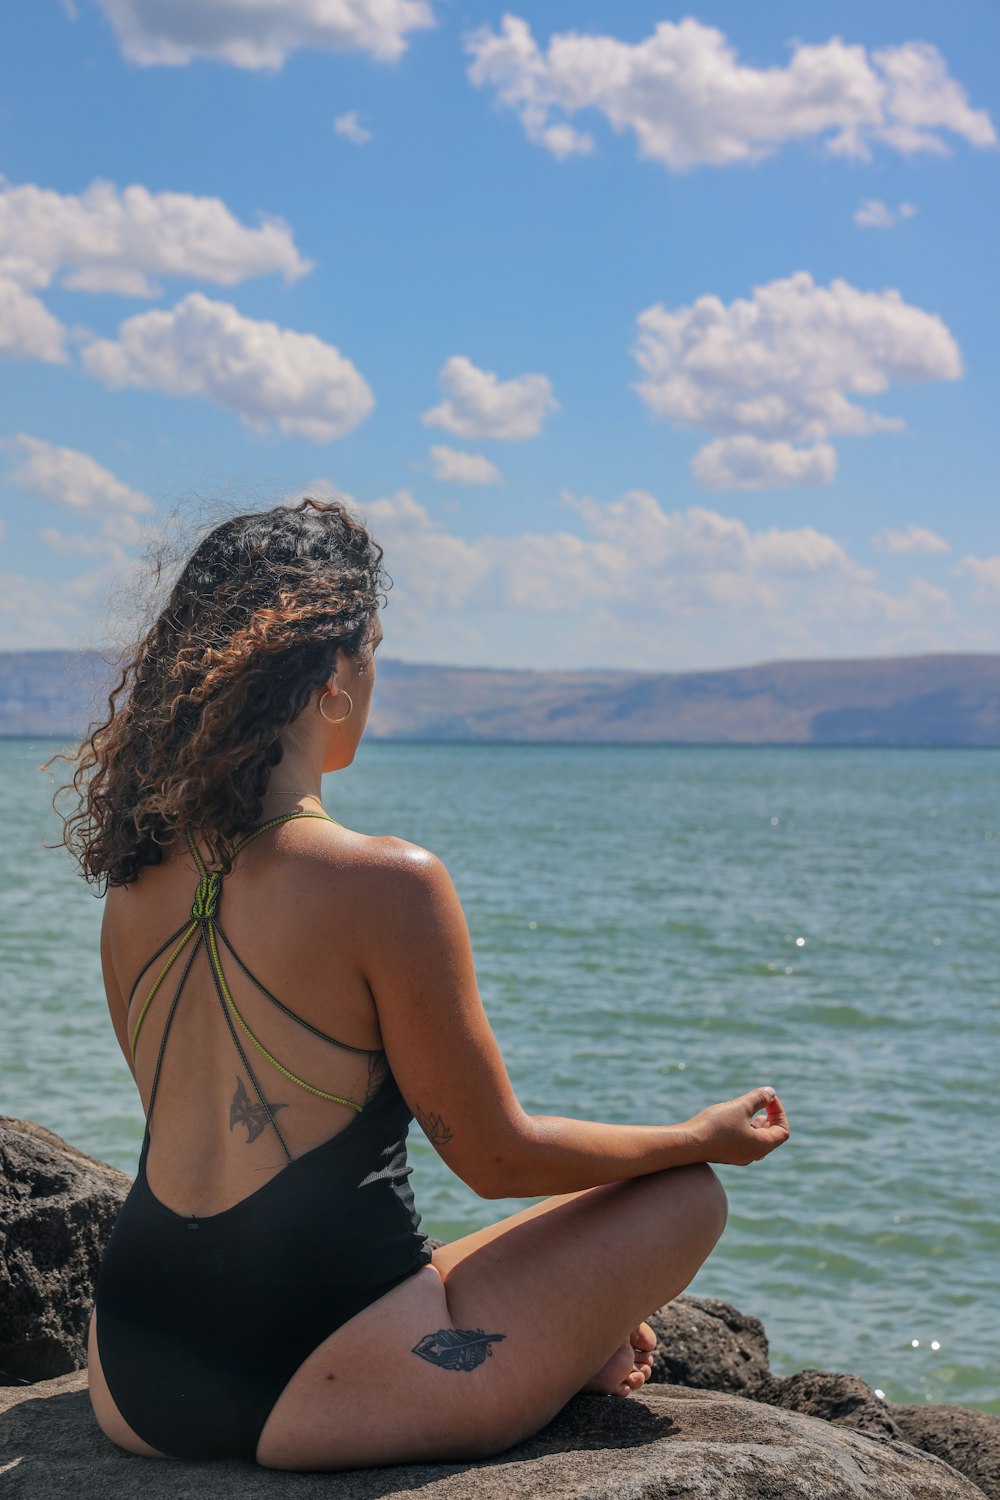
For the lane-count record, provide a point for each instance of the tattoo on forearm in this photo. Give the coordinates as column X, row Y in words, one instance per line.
column 244, row 1111
column 457, row 1348
column 436, row 1131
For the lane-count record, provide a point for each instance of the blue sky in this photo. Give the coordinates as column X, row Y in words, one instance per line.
column 642, row 336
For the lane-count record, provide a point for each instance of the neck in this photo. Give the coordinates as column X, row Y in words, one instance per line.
column 297, row 775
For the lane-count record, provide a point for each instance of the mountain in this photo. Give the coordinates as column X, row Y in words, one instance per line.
column 940, row 699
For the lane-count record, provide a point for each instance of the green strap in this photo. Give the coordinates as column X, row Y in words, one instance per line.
column 203, row 911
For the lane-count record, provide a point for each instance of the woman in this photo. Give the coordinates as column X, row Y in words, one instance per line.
column 266, row 1292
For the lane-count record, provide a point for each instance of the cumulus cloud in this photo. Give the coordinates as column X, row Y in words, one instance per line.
column 27, row 329
column 71, row 479
column 351, row 128
column 108, row 239
column 481, row 406
column 642, row 580
column 264, row 373
column 911, row 539
column 779, row 368
column 985, row 575
column 874, row 214
column 749, row 463
column 36, row 613
column 68, row 477
column 463, row 468
column 262, row 33
column 635, row 584
column 690, row 102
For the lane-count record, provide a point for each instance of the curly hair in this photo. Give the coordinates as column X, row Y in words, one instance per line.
column 194, row 723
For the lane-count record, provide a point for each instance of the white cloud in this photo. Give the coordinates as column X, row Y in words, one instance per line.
column 115, row 240
column 921, row 96
column 780, row 367
column 262, row 33
column 67, row 477
column 36, row 613
column 441, row 570
column 985, row 575
column 911, row 539
column 27, row 329
column 481, row 406
column 463, row 468
column 874, row 214
column 642, row 587
column 262, row 372
column 350, row 126
column 691, row 102
column 750, row 463
column 71, row 479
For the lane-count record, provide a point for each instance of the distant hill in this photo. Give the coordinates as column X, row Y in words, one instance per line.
column 907, row 700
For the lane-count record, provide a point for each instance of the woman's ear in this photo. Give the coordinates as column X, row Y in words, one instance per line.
column 339, row 671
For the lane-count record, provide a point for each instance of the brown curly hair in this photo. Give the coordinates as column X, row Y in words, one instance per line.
column 194, row 722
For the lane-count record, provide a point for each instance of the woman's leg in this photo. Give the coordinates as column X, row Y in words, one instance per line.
column 629, row 1367
column 551, row 1293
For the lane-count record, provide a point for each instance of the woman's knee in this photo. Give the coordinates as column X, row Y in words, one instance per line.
column 705, row 1197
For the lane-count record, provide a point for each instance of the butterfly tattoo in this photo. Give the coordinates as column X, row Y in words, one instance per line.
column 243, row 1111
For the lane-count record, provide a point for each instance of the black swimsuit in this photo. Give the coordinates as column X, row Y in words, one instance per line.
column 201, row 1322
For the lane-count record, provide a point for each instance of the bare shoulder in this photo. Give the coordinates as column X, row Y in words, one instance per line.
column 393, row 869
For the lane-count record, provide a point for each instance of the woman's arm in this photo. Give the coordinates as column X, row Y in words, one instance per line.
column 417, row 957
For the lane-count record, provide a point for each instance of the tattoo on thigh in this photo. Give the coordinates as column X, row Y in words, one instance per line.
column 245, row 1111
column 457, row 1348
column 436, row 1131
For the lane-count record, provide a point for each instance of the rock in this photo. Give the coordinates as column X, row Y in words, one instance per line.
column 967, row 1439
column 57, row 1209
column 708, row 1344
column 665, row 1443
column 844, row 1399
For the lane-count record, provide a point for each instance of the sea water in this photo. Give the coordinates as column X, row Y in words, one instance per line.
column 657, row 928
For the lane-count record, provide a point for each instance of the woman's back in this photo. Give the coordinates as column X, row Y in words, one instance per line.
column 243, row 1236
column 292, row 912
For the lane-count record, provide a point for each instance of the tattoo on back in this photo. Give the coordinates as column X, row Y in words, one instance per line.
column 457, row 1348
column 245, row 1111
column 436, row 1131
column 378, row 1067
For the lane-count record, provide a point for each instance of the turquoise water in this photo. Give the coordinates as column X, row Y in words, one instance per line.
column 657, row 928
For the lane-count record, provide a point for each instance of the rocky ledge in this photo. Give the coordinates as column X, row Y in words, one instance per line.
column 715, row 1421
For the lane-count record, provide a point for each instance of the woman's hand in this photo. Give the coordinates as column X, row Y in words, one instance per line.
column 734, row 1134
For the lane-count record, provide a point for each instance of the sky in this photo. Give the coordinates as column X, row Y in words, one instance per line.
column 641, row 336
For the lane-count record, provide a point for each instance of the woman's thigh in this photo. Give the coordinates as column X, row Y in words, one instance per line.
column 109, row 1418
column 546, row 1298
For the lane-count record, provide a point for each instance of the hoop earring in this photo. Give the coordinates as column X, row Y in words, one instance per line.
column 350, row 707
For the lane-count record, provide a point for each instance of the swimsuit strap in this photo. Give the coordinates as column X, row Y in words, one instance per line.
column 204, row 922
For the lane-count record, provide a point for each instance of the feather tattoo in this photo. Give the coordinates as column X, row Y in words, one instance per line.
column 243, row 1111
column 457, row 1348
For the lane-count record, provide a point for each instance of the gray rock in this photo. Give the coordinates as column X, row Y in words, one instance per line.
column 709, row 1345
column 967, row 1439
column 844, row 1399
column 57, row 1209
column 667, row 1443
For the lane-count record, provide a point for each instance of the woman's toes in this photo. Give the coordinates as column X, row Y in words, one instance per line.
column 643, row 1338
column 613, row 1376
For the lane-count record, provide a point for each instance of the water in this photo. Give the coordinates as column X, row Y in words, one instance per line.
column 657, row 928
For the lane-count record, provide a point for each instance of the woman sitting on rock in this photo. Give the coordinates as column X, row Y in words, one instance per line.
column 289, row 994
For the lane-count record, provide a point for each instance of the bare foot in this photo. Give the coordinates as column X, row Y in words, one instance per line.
column 628, row 1368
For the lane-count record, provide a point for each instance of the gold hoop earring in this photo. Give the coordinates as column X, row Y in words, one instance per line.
column 350, row 707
